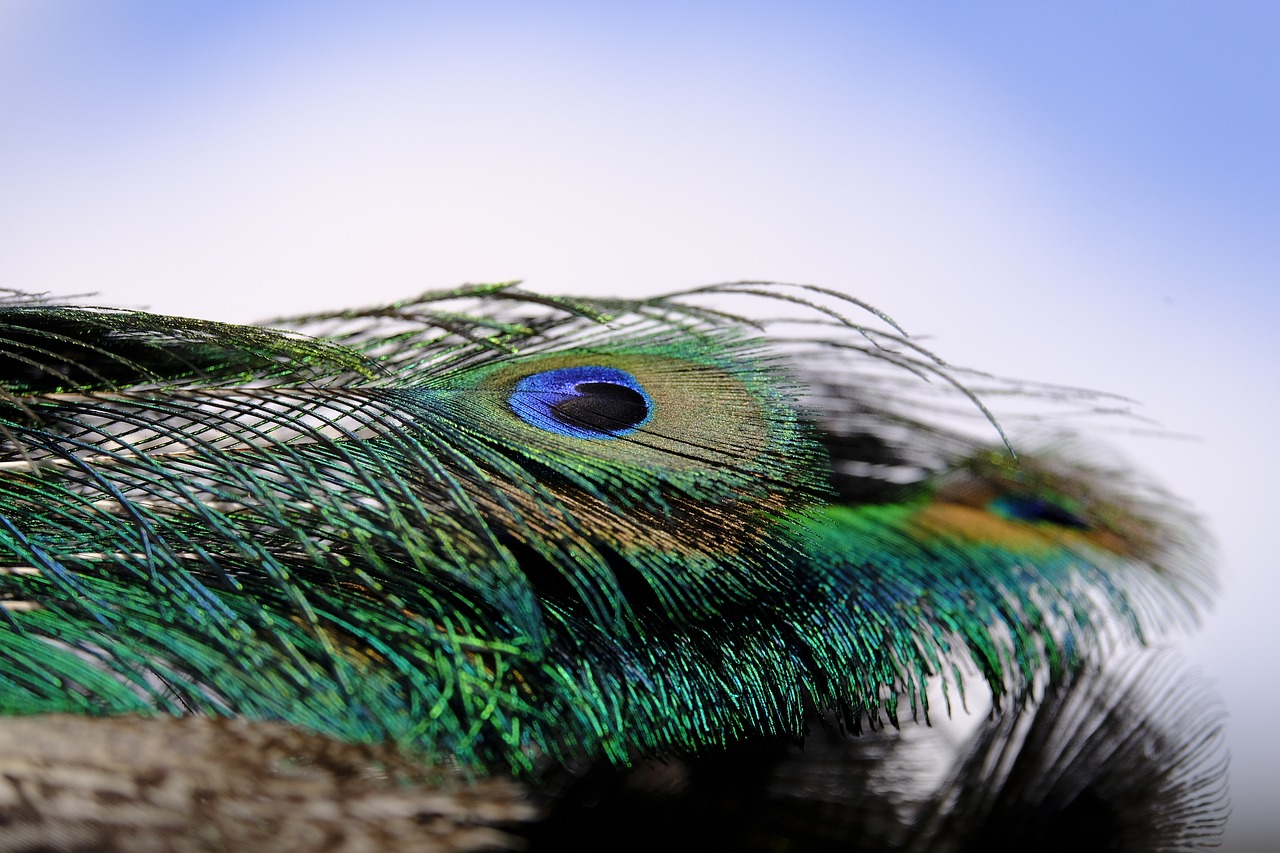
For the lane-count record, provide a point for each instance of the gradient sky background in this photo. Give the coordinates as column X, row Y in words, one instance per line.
column 1084, row 192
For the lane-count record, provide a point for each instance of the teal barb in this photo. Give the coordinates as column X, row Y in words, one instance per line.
column 500, row 529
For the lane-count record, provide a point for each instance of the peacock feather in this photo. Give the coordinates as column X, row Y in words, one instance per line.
column 510, row 535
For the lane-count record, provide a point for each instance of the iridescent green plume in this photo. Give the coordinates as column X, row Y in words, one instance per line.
column 501, row 529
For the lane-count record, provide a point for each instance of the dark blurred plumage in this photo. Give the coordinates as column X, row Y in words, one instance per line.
column 587, row 572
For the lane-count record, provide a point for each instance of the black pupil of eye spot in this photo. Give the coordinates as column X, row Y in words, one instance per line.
column 603, row 406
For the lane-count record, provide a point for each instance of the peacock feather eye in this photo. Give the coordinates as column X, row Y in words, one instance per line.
column 589, row 401
column 1036, row 509
column 688, row 414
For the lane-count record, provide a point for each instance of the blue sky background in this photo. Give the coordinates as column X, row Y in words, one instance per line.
column 1080, row 192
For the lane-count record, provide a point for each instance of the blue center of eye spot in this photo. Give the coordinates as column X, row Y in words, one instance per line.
column 1023, row 508
column 582, row 402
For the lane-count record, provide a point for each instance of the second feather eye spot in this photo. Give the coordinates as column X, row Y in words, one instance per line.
column 588, row 401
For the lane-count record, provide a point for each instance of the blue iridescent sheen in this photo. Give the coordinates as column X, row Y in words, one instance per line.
column 589, row 401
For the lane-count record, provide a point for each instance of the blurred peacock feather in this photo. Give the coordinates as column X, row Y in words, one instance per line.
column 552, row 541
